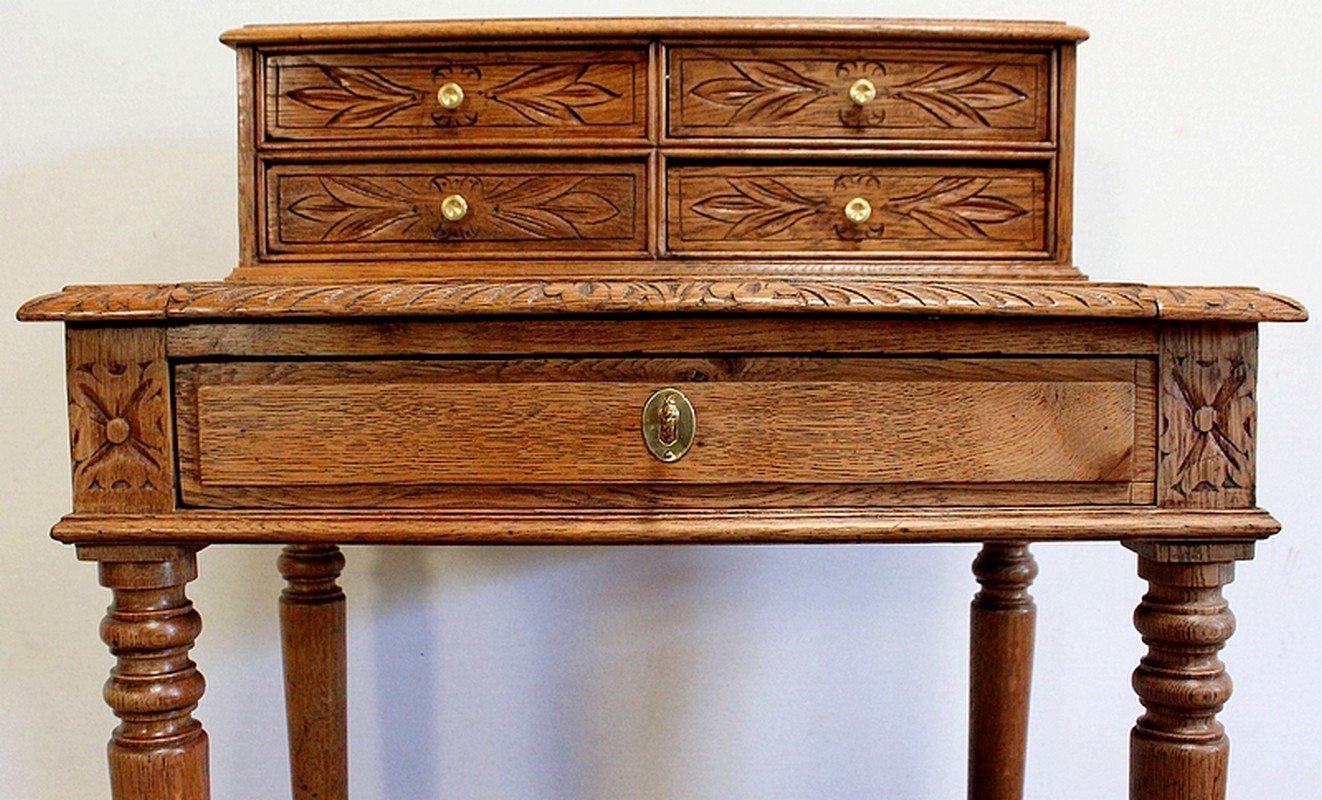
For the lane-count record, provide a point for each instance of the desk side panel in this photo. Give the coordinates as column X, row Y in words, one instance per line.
column 121, row 440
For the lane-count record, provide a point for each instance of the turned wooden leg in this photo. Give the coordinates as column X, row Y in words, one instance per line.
column 1000, row 670
column 158, row 752
column 1178, row 750
column 312, row 636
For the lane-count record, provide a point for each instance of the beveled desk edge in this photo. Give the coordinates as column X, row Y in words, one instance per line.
column 726, row 526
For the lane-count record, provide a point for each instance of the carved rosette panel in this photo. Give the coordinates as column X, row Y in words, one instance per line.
column 802, row 208
column 507, row 94
column 119, row 420
column 551, row 207
column 1208, row 416
column 786, row 91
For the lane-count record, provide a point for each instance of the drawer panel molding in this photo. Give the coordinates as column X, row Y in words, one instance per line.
column 1068, row 429
column 457, row 95
column 434, row 209
column 869, row 93
column 919, row 209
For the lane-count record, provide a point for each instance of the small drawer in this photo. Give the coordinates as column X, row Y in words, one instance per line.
column 434, row 209
column 459, row 95
column 897, row 211
column 447, row 432
column 864, row 93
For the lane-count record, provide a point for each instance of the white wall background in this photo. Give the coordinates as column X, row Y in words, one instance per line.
column 635, row 674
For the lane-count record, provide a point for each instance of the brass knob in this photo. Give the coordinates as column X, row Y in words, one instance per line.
column 450, row 95
column 858, row 210
column 863, row 92
column 669, row 424
column 454, row 207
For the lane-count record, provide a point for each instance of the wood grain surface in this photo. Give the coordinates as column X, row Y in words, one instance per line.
column 315, row 656
column 159, row 750
column 564, row 421
column 1001, row 633
column 1178, row 748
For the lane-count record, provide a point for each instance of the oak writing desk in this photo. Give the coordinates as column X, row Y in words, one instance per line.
column 659, row 281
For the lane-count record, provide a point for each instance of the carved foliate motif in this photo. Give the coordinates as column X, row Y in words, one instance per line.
column 799, row 91
column 119, row 415
column 407, row 207
column 1208, row 416
column 356, row 97
column 563, row 90
column 951, row 94
column 804, row 207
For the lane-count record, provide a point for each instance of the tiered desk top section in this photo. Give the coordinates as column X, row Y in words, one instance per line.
column 637, row 147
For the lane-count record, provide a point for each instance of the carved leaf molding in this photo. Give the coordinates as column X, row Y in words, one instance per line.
column 224, row 300
column 771, row 91
column 660, row 295
column 363, row 209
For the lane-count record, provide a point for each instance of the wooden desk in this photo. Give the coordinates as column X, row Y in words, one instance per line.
column 648, row 281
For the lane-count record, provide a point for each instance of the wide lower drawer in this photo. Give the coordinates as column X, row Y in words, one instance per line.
column 439, row 208
column 870, row 93
column 897, row 210
column 840, row 431
column 457, row 95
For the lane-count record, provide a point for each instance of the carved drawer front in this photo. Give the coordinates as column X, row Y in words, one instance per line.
column 529, row 432
column 864, row 93
column 458, row 95
column 975, row 211
column 423, row 210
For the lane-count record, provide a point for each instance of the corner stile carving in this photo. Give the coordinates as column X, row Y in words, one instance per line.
column 119, row 419
column 1208, row 416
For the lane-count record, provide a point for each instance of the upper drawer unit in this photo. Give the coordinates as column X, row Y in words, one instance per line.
column 904, row 93
column 457, row 96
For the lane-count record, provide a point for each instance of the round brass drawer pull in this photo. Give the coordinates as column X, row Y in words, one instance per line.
column 454, row 207
column 863, row 92
column 858, row 210
column 669, row 424
column 450, row 95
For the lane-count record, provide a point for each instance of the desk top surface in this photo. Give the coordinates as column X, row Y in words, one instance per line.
column 647, row 27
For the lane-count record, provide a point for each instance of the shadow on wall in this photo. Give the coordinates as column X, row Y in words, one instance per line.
column 651, row 674
column 148, row 211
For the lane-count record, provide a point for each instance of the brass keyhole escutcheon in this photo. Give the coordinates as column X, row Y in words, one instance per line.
column 863, row 92
column 454, row 207
column 858, row 210
column 450, row 96
column 669, row 424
